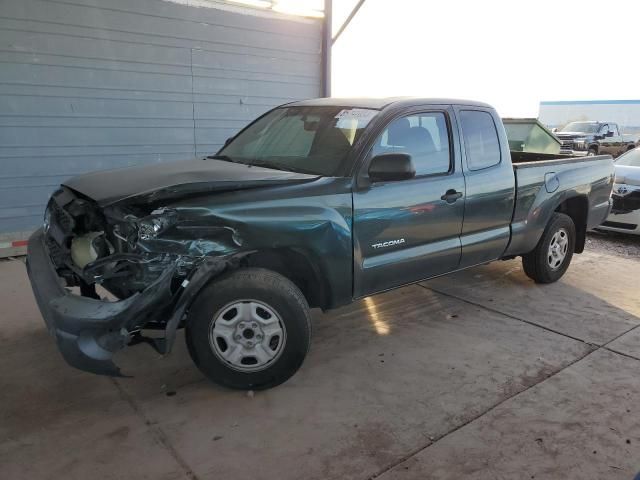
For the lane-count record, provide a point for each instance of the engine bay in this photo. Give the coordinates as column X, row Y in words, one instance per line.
column 114, row 247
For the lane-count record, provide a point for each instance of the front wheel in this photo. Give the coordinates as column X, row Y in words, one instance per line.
column 552, row 256
column 592, row 152
column 249, row 330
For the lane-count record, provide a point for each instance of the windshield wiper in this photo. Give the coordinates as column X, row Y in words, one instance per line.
column 226, row 158
column 256, row 163
column 274, row 166
column 259, row 163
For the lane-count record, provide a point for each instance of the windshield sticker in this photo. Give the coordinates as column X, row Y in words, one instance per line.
column 363, row 115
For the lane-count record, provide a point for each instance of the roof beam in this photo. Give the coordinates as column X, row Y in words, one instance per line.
column 347, row 21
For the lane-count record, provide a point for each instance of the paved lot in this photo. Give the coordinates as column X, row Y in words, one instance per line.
column 479, row 375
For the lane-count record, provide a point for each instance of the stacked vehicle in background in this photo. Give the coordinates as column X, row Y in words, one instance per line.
column 594, row 138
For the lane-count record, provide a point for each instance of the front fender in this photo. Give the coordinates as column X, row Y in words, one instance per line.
column 314, row 220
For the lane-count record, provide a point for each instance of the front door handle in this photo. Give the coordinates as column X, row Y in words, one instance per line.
column 451, row 196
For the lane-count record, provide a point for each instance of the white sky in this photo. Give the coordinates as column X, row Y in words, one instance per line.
column 511, row 54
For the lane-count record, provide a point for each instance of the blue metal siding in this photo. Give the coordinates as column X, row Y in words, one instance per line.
column 95, row 84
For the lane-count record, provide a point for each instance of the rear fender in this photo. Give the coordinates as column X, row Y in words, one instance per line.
column 534, row 208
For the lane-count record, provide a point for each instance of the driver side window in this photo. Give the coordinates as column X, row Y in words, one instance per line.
column 424, row 136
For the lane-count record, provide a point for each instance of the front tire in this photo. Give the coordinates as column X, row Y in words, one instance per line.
column 592, row 152
column 552, row 256
column 251, row 329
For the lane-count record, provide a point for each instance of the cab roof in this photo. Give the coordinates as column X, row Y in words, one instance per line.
column 380, row 103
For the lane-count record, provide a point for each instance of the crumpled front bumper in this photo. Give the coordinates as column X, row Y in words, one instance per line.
column 89, row 331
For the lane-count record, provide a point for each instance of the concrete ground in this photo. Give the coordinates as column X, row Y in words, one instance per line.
column 479, row 375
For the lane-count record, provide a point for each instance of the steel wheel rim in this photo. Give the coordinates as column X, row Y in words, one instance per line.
column 247, row 335
column 558, row 248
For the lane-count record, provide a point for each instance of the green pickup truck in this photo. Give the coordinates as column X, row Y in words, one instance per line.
column 313, row 205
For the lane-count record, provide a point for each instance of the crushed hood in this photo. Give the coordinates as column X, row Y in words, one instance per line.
column 164, row 181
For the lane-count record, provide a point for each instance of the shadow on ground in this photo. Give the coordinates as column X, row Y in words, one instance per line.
column 411, row 383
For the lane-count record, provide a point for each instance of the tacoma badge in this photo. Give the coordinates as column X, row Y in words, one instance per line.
column 388, row 244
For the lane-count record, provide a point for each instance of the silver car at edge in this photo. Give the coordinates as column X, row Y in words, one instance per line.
column 625, row 214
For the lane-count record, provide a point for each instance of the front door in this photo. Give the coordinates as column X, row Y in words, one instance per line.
column 611, row 142
column 614, row 140
column 606, row 147
column 409, row 230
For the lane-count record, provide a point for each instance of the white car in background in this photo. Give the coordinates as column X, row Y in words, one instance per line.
column 625, row 214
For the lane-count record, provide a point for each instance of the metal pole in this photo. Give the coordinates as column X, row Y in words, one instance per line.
column 326, row 50
column 348, row 20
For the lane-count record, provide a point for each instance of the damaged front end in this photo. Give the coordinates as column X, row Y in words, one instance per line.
column 121, row 249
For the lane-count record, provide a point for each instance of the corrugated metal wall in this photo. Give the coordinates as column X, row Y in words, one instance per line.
column 96, row 84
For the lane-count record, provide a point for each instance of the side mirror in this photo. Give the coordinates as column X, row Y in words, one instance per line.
column 608, row 134
column 389, row 167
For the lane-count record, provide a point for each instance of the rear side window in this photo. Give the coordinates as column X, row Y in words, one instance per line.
column 480, row 139
column 424, row 136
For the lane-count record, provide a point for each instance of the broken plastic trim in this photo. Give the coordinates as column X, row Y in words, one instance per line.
column 210, row 268
column 89, row 331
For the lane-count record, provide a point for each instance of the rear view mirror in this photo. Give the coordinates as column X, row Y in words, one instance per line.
column 389, row 167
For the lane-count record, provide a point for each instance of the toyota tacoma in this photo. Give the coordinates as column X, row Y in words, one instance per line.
column 313, row 205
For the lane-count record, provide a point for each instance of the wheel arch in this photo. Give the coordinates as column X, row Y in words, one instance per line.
column 299, row 267
column 576, row 207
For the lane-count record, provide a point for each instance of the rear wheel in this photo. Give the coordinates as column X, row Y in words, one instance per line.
column 249, row 330
column 552, row 256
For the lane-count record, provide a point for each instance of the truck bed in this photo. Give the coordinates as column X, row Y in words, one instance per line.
column 527, row 157
column 544, row 181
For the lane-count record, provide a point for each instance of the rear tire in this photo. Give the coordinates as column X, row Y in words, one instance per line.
column 552, row 256
column 251, row 329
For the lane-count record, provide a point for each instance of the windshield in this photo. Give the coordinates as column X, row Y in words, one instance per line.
column 584, row 127
column 630, row 159
column 312, row 140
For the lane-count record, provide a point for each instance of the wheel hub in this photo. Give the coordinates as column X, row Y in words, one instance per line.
column 558, row 247
column 248, row 335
